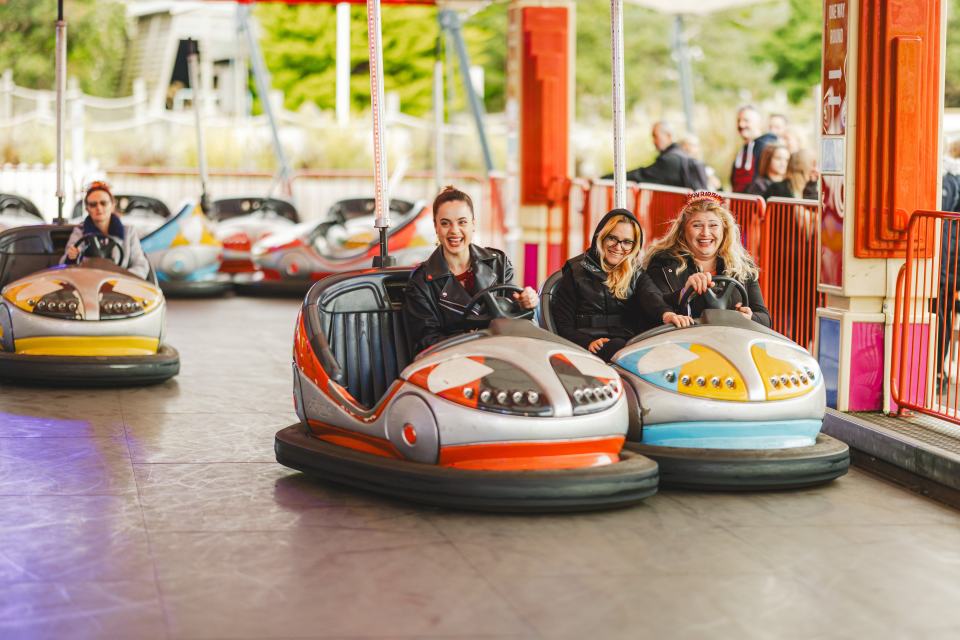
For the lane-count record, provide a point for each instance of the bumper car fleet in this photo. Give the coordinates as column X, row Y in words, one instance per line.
column 92, row 323
column 242, row 222
column 726, row 403
column 289, row 262
column 509, row 418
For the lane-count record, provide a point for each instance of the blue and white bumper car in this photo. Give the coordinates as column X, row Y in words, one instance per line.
column 725, row 404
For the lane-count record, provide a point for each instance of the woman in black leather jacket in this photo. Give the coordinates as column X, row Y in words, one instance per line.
column 440, row 288
column 704, row 241
column 603, row 298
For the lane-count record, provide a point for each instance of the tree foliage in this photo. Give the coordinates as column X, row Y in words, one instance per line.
column 952, row 61
column 795, row 49
column 96, row 43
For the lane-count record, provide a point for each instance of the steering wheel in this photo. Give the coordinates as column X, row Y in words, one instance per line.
column 94, row 245
column 712, row 300
column 495, row 304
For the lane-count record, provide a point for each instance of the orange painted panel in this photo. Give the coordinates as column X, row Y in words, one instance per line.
column 544, row 113
column 898, row 111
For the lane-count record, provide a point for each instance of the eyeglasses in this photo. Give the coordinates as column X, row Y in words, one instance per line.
column 91, row 204
column 611, row 241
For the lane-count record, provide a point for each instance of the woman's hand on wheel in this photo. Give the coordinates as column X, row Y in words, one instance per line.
column 747, row 311
column 597, row 344
column 527, row 298
column 699, row 282
column 72, row 253
column 677, row 320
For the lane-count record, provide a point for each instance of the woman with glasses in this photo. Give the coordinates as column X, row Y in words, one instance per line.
column 703, row 242
column 603, row 298
column 101, row 221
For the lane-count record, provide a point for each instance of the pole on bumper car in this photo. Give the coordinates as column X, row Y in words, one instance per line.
column 619, row 161
column 374, row 46
column 193, row 70
column 61, row 62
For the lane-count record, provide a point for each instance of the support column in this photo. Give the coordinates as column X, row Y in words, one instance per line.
column 882, row 104
column 540, row 96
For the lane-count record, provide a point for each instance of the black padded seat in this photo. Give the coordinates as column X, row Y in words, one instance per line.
column 546, row 299
column 355, row 324
column 18, row 204
column 26, row 250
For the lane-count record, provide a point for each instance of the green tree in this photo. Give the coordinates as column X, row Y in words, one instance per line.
column 96, row 43
column 795, row 49
column 952, row 61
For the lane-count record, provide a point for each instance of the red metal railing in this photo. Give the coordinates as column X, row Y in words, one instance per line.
column 656, row 206
column 748, row 211
column 925, row 367
column 788, row 237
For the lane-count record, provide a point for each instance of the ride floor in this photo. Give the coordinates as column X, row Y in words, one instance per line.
column 160, row 512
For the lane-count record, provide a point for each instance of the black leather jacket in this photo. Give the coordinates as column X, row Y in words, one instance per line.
column 434, row 301
column 663, row 271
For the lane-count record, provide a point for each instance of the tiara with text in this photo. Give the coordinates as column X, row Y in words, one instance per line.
column 704, row 196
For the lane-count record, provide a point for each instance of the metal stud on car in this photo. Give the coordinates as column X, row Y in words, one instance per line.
column 468, row 393
column 685, row 380
column 670, row 376
column 517, row 397
column 502, row 397
column 715, row 381
column 485, row 395
column 731, row 383
column 701, row 381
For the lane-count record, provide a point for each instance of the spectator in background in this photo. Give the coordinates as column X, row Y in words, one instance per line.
column 690, row 144
column 672, row 167
column 747, row 161
column 801, row 179
column 773, row 168
column 778, row 125
column 947, row 303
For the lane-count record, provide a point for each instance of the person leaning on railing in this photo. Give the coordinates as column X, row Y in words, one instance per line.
column 704, row 241
column 603, row 298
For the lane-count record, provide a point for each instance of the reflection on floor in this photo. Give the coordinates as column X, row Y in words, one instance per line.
column 160, row 513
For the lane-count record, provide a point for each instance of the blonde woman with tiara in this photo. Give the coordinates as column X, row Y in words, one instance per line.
column 703, row 242
column 603, row 298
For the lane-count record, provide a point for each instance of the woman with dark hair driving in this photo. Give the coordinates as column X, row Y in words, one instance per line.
column 603, row 298
column 436, row 297
column 702, row 244
column 102, row 225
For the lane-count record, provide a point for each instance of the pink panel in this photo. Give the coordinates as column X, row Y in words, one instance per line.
column 866, row 367
column 531, row 254
column 914, row 388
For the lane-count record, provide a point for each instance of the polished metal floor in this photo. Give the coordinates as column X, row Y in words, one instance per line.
column 160, row 513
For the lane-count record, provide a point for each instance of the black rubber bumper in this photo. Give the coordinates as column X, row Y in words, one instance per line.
column 749, row 470
column 198, row 289
column 292, row 288
column 90, row 371
column 617, row 485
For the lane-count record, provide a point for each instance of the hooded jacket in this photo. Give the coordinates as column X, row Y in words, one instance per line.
column 434, row 301
column 663, row 271
column 585, row 309
column 134, row 260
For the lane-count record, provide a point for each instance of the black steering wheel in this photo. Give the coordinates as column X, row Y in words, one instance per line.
column 713, row 300
column 498, row 306
column 94, row 245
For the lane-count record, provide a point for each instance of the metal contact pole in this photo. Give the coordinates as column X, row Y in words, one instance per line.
column 439, row 158
column 61, row 62
column 616, row 69
column 375, row 49
column 193, row 70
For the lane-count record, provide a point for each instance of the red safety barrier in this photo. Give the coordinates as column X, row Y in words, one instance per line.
column 925, row 365
column 656, row 206
column 748, row 212
column 788, row 240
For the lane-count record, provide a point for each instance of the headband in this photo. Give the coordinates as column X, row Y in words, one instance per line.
column 704, row 196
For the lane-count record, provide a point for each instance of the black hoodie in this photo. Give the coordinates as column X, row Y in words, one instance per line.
column 584, row 309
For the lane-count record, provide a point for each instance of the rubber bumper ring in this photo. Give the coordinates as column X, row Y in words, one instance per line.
column 199, row 289
column 90, row 371
column 749, row 469
column 627, row 482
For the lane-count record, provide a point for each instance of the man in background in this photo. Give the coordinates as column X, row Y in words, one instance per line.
column 673, row 167
column 747, row 161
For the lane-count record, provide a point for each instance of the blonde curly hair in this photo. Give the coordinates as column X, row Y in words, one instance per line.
column 737, row 262
column 619, row 277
